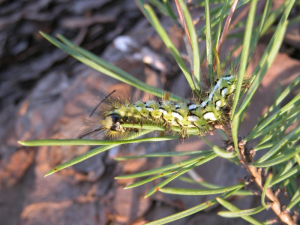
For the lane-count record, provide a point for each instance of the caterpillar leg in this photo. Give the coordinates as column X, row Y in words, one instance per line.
column 166, row 124
column 201, row 132
column 141, row 124
column 183, row 130
column 183, row 133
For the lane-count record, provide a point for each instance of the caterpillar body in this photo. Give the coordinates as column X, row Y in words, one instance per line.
column 204, row 115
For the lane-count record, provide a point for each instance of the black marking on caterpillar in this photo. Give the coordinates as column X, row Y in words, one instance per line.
column 204, row 114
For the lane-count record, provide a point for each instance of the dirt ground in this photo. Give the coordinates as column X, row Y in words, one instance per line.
column 47, row 94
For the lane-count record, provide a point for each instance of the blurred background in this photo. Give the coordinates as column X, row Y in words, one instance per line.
column 44, row 93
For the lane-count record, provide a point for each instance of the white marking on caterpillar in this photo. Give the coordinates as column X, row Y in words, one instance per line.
column 203, row 104
column 193, row 118
column 149, row 109
column 218, row 104
column 177, row 107
column 138, row 108
column 224, row 91
column 163, row 111
column 210, row 116
column 211, row 95
column 177, row 115
column 150, row 102
column 228, row 78
column 218, row 84
column 193, row 106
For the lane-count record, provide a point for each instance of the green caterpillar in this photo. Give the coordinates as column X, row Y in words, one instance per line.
column 203, row 115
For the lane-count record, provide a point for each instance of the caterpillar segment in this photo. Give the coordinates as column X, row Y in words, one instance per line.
column 203, row 115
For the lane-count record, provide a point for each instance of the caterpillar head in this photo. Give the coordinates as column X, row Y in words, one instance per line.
column 112, row 122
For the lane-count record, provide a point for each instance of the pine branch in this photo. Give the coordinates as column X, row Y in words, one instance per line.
column 256, row 174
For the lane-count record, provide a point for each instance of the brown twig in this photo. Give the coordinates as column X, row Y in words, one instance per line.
column 226, row 130
column 180, row 13
column 226, row 26
column 240, row 16
column 283, row 214
column 188, row 44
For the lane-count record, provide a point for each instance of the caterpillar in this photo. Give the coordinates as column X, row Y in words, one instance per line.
column 201, row 114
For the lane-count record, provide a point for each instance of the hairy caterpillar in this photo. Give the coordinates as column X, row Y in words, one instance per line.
column 202, row 114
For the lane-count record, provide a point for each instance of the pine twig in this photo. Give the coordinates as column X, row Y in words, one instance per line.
column 226, row 27
column 180, row 13
column 283, row 214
